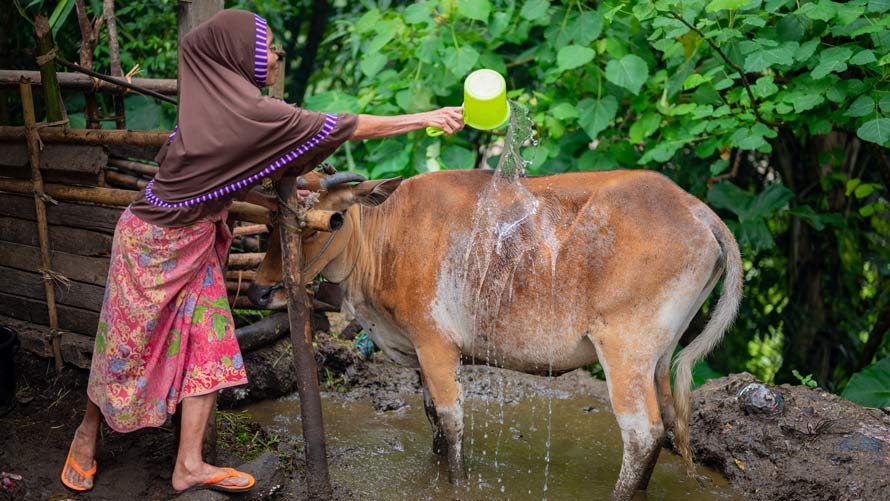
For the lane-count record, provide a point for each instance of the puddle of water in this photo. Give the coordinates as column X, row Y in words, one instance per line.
column 389, row 455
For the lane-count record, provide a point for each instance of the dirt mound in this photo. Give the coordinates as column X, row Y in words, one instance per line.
column 820, row 446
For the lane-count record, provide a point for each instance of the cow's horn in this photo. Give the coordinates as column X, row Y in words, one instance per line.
column 341, row 178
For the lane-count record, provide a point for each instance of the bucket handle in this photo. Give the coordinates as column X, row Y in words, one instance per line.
column 434, row 131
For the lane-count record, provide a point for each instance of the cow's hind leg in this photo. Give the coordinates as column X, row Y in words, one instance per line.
column 635, row 404
column 666, row 407
column 440, row 444
column 439, row 363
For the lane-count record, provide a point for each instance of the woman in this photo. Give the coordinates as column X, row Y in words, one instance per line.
column 166, row 334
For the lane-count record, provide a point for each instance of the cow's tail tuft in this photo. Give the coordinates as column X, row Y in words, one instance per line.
column 722, row 317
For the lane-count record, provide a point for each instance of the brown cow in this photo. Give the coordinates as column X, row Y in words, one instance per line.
column 542, row 275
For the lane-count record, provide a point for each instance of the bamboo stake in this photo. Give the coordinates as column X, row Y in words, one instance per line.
column 46, row 52
column 42, row 227
column 88, row 136
column 241, row 211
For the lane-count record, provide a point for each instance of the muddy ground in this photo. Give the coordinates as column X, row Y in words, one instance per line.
column 820, row 447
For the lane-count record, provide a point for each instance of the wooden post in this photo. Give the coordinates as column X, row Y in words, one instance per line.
column 190, row 14
column 89, row 33
column 299, row 312
column 114, row 55
column 42, row 228
column 52, row 98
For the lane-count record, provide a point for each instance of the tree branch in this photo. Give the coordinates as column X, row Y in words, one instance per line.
column 731, row 64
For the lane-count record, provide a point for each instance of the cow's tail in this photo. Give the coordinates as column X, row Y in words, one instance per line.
column 721, row 318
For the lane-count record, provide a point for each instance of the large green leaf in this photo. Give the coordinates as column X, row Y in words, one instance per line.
column 716, row 5
column 594, row 116
column 768, row 202
column 629, row 72
column 474, row 9
column 862, row 106
column 332, row 102
column 728, row 196
column 765, row 57
column 876, row 131
column 871, row 386
column 832, row 60
column 534, row 9
column 460, row 61
column 587, row 27
column 372, row 63
column 458, row 157
column 573, row 56
column 419, row 12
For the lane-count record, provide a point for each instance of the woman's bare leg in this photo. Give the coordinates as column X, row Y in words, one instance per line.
column 190, row 467
column 83, row 446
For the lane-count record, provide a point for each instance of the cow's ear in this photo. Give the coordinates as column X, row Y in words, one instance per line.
column 374, row 193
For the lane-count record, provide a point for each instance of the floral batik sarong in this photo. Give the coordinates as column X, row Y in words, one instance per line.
column 165, row 331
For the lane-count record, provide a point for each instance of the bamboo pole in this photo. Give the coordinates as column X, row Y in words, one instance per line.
column 46, row 51
column 88, row 136
column 253, row 229
column 42, row 227
column 125, row 180
column 82, row 81
column 243, row 275
column 241, row 211
column 246, row 259
column 135, row 167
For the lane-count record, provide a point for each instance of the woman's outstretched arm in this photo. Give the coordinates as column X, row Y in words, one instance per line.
column 449, row 119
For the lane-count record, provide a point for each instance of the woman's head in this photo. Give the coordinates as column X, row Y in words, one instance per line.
column 236, row 39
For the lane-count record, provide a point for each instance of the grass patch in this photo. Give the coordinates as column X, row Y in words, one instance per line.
column 240, row 435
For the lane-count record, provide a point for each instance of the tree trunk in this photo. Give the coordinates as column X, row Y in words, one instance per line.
column 318, row 24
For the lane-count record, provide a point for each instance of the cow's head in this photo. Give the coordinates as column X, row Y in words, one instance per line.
column 321, row 251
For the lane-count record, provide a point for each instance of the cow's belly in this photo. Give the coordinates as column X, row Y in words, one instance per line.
column 536, row 349
column 390, row 338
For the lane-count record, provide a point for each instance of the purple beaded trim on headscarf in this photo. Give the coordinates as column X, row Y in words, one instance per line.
column 329, row 123
column 261, row 55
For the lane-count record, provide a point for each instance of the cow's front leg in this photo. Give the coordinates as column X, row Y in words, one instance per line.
column 440, row 363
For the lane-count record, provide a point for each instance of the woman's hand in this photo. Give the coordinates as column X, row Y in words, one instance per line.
column 450, row 119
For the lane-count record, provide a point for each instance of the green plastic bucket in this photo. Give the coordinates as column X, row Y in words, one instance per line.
column 485, row 101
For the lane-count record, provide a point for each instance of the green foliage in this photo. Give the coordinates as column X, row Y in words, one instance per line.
column 871, row 386
column 806, row 381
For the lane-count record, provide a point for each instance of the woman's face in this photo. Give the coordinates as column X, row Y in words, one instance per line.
column 272, row 70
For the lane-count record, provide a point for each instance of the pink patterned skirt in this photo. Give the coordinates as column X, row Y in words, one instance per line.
column 166, row 330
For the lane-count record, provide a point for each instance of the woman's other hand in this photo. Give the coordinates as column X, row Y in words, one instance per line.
column 450, row 119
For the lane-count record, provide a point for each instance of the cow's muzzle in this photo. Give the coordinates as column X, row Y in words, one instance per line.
column 261, row 295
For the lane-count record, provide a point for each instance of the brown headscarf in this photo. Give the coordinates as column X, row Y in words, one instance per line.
column 229, row 136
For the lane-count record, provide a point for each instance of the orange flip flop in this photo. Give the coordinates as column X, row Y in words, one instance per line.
column 71, row 463
column 213, row 483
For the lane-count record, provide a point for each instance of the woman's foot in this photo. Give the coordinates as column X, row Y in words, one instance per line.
column 83, row 453
column 190, row 475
